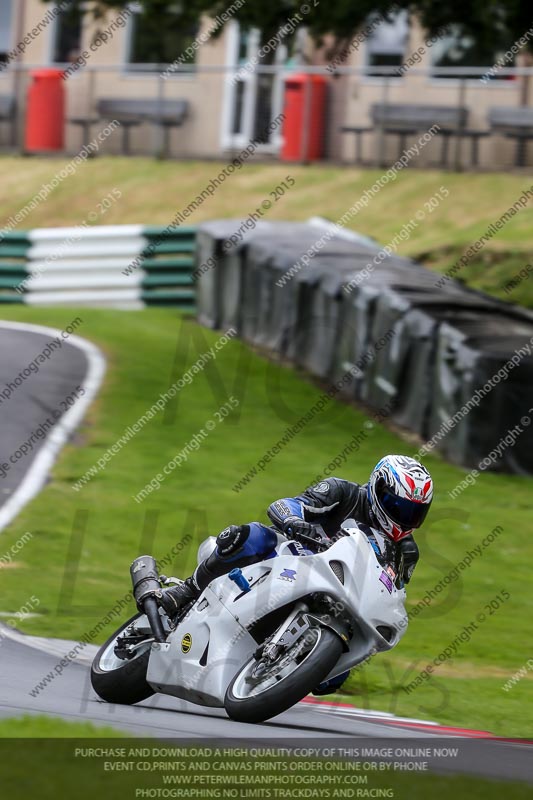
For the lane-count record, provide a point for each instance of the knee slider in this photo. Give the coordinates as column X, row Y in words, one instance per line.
column 232, row 539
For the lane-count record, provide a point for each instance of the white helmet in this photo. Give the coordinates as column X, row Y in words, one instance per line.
column 400, row 491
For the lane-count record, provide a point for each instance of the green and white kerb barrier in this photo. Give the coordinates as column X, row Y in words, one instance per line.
column 120, row 266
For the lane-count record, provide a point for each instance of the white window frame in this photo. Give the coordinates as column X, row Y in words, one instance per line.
column 367, row 66
column 471, row 82
column 228, row 140
column 52, row 38
column 15, row 15
column 128, row 69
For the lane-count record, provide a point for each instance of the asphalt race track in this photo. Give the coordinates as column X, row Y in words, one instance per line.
column 26, row 661
column 70, row 696
column 47, row 380
column 37, row 398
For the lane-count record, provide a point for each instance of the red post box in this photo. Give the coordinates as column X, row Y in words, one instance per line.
column 45, row 112
column 304, row 124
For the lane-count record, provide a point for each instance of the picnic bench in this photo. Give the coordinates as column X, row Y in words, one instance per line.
column 7, row 114
column 404, row 120
column 513, row 123
column 166, row 114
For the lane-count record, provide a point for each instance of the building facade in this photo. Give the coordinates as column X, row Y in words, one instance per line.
column 233, row 82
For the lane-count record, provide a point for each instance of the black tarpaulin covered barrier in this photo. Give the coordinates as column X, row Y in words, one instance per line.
column 319, row 298
column 285, row 279
column 419, row 354
column 411, row 405
column 236, row 293
column 278, row 313
column 356, row 346
column 386, row 351
column 432, row 348
column 324, row 298
column 482, row 390
column 259, row 290
column 356, row 310
column 397, row 342
column 212, row 250
column 220, row 260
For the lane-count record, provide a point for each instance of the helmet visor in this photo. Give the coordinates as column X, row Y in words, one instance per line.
column 405, row 513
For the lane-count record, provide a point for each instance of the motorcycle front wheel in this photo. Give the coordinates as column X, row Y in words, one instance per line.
column 119, row 680
column 259, row 692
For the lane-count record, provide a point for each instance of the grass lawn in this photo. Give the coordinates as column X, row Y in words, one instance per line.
column 153, row 191
column 41, row 727
column 77, row 561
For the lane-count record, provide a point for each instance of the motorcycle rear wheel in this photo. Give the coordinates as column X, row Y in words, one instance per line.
column 247, row 703
column 118, row 680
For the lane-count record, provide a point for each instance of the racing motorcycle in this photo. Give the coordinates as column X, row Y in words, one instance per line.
column 261, row 638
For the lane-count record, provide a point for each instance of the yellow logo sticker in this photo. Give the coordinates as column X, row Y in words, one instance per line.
column 186, row 643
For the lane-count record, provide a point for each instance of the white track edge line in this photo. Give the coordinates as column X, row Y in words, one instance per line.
column 326, row 708
column 52, row 647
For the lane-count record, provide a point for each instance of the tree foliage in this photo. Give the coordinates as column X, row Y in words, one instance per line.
column 494, row 24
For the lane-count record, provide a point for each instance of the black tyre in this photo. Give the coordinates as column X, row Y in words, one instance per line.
column 118, row 680
column 245, row 702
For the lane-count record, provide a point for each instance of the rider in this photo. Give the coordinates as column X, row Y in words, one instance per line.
column 395, row 501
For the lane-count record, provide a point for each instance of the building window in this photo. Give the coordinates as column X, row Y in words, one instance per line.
column 6, row 22
column 154, row 41
column 460, row 50
column 67, row 34
column 387, row 43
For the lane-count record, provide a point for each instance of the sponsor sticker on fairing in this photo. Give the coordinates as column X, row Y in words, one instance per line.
column 386, row 581
column 287, row 575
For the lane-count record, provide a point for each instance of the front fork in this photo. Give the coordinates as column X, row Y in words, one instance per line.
column 296, row 626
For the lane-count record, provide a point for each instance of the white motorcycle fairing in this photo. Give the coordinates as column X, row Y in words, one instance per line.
column 215, row 639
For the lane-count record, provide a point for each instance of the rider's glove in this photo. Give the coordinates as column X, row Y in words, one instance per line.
column 409, row 551
column 296, row 528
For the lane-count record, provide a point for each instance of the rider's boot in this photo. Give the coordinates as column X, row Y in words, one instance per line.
column 177, row 597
